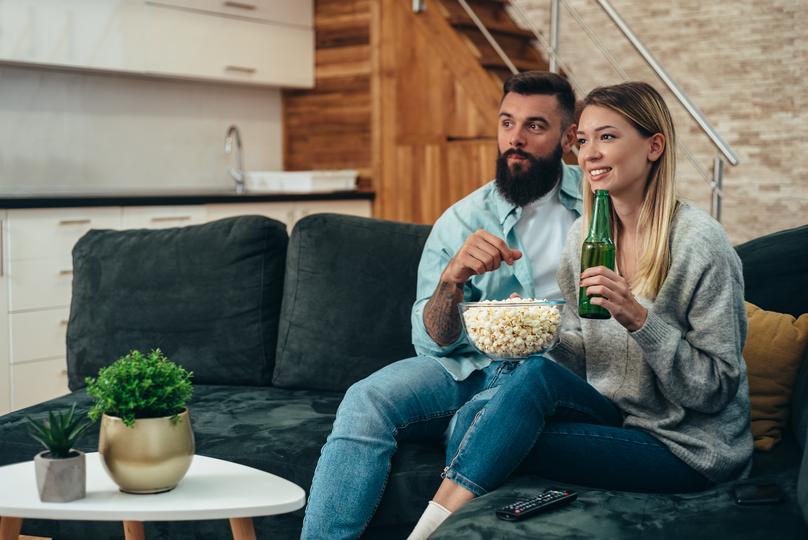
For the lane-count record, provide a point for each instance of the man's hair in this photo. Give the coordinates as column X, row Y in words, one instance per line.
column 544, row 83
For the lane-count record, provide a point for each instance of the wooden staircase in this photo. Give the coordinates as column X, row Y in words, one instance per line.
column 518, row 43
column 409, row 100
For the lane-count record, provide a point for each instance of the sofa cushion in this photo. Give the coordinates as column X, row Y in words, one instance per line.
column 799, row 408
column 207, row 295
column 774, row 270
column 613, row 515
column 775, row 346
column 350, row 286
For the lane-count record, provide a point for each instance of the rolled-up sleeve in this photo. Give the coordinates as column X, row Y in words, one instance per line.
column 439, row 249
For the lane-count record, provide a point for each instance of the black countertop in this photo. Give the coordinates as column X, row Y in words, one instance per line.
column 168, row 198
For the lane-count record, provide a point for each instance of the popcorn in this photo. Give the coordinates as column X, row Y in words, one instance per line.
column 503, row 330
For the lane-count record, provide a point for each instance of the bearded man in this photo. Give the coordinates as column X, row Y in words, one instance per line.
column 521, row 218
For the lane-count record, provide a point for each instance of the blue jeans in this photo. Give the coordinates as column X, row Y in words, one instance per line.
column 410, row 399
column 549, row 421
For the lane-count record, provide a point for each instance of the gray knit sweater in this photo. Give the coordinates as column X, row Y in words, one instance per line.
column 681, row 377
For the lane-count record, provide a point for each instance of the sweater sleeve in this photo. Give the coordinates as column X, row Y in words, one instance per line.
column 699, row 368
column 570, row 351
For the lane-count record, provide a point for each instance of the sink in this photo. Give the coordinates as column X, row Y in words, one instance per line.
column 301, row 181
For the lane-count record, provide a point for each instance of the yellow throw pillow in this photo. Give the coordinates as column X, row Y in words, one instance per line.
column 775, row 346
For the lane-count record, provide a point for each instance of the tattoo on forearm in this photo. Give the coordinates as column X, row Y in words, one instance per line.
column 441, row 318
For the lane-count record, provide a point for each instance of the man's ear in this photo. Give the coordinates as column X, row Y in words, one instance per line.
column 568, row 137
column 656, row 145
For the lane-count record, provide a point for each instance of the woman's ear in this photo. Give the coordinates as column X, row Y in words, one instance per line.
column 656, row 146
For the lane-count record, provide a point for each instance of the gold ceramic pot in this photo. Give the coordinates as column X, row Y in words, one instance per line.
column 150, row 457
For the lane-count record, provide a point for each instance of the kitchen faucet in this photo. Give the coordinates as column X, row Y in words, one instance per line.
column 238, row 172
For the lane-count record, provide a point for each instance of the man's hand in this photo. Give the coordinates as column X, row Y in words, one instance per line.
column 615, row 295
column 481, row 252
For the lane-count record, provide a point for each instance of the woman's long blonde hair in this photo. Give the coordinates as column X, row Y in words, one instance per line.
column 645, row 109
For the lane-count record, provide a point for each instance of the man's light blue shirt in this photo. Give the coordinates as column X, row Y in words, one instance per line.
column 484, row 209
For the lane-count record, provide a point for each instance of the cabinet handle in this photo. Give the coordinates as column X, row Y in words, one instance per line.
column 239, row 5
column 66, row 272
column 75, row 221
column 240, row 69
column 63, row 372
column 63, row 322
column 158, row 219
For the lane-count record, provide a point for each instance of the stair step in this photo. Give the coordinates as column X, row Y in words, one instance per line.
column 516, row 47
column 522, row 64
column 495, row 27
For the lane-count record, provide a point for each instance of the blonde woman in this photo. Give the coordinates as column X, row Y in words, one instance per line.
column 656, row 398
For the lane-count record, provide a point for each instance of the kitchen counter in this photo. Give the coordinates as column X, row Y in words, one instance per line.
column 167, row 198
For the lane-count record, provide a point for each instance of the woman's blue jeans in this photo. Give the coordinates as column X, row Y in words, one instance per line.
column 500, row 421
column 549, row 421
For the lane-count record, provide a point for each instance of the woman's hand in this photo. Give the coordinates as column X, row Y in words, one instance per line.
column 614, row 294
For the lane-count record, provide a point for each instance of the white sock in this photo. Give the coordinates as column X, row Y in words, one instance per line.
column 431, row 519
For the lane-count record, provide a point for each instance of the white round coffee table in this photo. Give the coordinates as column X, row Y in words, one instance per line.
column 212, row 489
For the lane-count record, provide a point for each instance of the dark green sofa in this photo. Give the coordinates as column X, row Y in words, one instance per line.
column 276, row 329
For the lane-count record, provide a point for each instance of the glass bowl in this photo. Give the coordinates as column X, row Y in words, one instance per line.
column 512, row 329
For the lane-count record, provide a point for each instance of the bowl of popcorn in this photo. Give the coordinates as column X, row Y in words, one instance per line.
column 512, row 329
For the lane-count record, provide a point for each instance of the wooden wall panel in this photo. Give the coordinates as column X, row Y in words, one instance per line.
column 438, row 126
column 330, row 126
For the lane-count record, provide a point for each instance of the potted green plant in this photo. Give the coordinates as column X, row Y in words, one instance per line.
column 60, row 469
column 146, row 443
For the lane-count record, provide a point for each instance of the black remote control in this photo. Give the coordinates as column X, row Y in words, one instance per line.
column 551, row 498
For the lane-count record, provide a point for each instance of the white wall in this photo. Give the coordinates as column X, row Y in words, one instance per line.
column 80, row 132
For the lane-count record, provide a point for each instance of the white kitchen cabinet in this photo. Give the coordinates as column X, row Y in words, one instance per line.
column 298, row 12
column 48, row 233
column 182, row 43
column 35, row 382
column 95, row 34
column 290, row 213
column 161, row 217
column 256, row 42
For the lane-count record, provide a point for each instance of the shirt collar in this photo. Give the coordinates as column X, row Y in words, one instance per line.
column 569, row 194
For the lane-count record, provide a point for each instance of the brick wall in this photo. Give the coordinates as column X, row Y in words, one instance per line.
column 743, row 64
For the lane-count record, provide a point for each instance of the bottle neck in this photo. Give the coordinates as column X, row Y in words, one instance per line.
column 600, row 229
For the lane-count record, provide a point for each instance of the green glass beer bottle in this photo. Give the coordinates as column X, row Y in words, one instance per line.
column 597, row 250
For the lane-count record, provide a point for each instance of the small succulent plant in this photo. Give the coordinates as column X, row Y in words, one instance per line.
column 59, row 432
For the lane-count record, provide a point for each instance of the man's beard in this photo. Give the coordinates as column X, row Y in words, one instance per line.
column 531, row 179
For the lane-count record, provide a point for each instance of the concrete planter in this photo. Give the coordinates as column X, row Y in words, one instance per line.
column 61, row 480
column 150, row 457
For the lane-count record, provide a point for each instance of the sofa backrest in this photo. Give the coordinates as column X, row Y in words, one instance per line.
column 207, row 295
column 348, row 294
column 775, row 268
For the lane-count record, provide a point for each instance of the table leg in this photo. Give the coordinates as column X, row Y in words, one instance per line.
column 10, row 528
column 133, row 530
column 242, row 528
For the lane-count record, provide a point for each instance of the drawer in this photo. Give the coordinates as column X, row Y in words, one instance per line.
column 361, row 208
column 281, row 211
column 37, row 284
column 161, row 217
column 35, row 382
column 200, row 45
column 299, row 12
column 38, row 334
column 52, row 232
